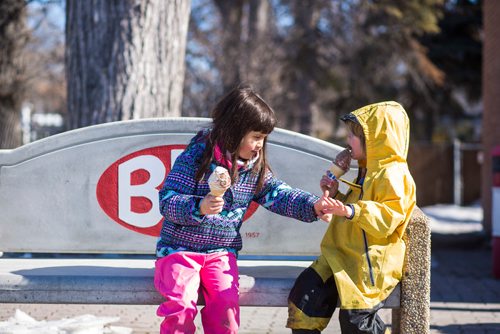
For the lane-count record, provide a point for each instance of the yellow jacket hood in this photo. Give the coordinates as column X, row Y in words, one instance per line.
column 387, row 129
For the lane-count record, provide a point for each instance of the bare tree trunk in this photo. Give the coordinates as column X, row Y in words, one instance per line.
column 259, row 19
column 303, row 66
column 13, row 38
column 257, row 40
column 262, row 66
column 10, row 126
column 231, row 13
column 125, row 59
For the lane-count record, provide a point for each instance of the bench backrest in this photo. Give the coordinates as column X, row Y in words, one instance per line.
column 94, row 190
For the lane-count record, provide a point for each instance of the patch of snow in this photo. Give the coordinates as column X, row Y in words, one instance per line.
column 22, row 323
column 454, row 219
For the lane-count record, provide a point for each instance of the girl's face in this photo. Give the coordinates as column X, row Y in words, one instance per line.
column 251, row 144
column 357, row 151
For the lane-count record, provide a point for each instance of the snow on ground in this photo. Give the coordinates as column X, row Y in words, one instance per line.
column 22, row 323
column 454, row 219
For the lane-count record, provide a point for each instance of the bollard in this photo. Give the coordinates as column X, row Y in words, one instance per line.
column 495, row 205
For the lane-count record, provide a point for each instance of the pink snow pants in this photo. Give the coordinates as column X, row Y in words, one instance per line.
column 179, row 277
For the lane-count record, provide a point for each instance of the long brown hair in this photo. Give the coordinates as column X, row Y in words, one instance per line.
column 235, row 115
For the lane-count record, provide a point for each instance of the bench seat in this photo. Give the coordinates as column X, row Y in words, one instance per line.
column 130, row 281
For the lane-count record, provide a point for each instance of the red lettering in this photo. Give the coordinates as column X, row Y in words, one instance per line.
column 139, row 206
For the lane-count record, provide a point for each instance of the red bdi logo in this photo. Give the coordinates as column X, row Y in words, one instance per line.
column 127, row 191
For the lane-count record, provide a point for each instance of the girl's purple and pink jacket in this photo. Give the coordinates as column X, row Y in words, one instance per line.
column 184, row 228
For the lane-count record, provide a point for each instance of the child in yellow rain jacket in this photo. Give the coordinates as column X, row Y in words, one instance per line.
column 362, row 250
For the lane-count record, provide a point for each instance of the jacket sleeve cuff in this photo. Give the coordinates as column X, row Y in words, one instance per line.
column 355, row 211
column 197, row 216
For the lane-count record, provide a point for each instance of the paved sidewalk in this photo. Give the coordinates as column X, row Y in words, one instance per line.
column 464, row 296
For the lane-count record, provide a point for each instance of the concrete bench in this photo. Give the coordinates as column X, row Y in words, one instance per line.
column 94, row 191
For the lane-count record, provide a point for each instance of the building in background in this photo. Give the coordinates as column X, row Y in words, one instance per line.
column 37, row 125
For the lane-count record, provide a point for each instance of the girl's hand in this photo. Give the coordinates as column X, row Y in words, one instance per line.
column 211, row 205
column 322, row 207
column 326, row 184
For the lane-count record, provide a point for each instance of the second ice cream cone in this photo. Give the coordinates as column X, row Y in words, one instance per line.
column 335, row 172
column 340, row 165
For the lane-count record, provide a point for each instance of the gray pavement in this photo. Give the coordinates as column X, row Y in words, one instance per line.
column 464, row 296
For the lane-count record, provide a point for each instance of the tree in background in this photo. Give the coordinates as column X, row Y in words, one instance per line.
column 46, row 90
column 381, row 57
column 253, row 47
column 13, row 37
column 230, row 42
column 457, row 51
column 317, row 59
column 231, row 13
column 312, row 62
column 301, row 67
column 124, row 59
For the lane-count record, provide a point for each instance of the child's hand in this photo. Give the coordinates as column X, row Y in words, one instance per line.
column 339, row 209
column 327, row 184
column 211, row 205
column 322, row 207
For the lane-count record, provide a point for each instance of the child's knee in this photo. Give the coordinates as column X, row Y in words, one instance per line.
column 176, row 307
column 311, row 302
column 312, row 295
column 221, row 315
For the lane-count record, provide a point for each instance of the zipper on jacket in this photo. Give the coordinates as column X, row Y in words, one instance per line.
column 370, row 269
column 368, row 260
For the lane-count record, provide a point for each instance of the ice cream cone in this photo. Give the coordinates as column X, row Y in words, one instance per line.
column 335, row 172
column 340, row 165
column 217, row 192
column 219, row 181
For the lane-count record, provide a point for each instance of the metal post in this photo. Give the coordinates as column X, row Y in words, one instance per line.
column 457, row 173
column 26, row 122
column 495, row 210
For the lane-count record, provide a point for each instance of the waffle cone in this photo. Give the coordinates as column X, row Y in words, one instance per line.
column 337, row 171
column 217, row 192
